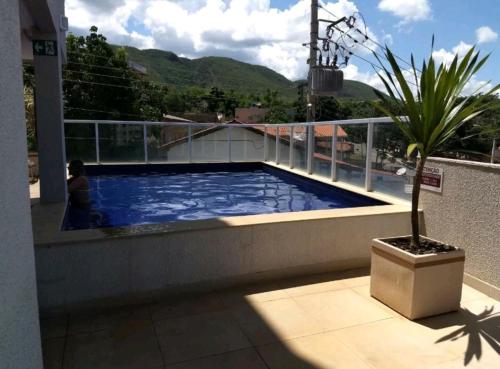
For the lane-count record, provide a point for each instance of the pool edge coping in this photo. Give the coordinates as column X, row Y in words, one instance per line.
column 47, row 219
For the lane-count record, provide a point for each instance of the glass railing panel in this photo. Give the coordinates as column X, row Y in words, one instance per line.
column 271, row 144
column 168, row 143
column 351, row 154
column 322, row 153
column 300, row 147
column 210, row 144
column 247, row 144
column 121, row 143
column 284, row 145
column 391, row 172
column 80, row 142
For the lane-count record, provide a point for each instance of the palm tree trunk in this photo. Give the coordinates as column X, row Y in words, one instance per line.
column 415, row 196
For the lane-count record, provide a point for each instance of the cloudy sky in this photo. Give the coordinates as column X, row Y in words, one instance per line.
column 271, row 32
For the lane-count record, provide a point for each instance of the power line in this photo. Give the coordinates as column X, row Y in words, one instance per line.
column 108, row 58
column 102, row 111
column 322, row 6
column 371, row 63
column 337, row 44
column 100, row 75
column 101, row 84
column 201, row 97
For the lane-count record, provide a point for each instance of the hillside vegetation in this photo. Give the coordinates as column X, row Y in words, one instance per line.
column 228, row 74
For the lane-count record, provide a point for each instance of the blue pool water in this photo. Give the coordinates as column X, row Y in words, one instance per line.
column 153, row 197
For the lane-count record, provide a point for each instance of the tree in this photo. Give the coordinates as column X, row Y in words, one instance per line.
column 98, row 83
column 435, row 112
column 300, row 104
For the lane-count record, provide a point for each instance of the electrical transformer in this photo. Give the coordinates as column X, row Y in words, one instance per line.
column 326, row 80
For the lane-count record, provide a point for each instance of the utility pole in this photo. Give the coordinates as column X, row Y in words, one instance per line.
column 313, row 60
column 311, row 107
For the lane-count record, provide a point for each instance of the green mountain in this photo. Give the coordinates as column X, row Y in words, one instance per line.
column 227, row 74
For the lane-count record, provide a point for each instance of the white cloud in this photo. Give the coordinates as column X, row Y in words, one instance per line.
column 352, row 72
column 408, row 10
column 110, row 16
column 475, row 85
column 444, row 56
column 248, row 30
column 485, row 34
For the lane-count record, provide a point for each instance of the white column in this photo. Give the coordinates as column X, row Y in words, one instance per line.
column 310, row 148
column 334, row 152
column 266, row 145
column 292, row 152
column 97, row 149
column 145, row 141
column 369, row 147
column 20, row 346
column 190, row 143
column 277, row 144
column 50, row 126
column 229, row 148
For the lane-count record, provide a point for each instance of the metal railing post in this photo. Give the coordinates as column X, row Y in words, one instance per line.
column 369, row 148
column 277, row 144
column 190, row 143
column 97, row 152
column 310, row 148
column 145, row 138
column 229, row 138
column 334, row 152
column 266, row 145
column 291, row 155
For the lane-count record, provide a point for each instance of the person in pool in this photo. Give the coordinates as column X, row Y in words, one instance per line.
column 78, row 186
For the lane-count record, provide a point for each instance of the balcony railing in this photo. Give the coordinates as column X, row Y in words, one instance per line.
column 368, row 153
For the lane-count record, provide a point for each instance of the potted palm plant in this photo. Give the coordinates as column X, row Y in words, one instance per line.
column 415, row 275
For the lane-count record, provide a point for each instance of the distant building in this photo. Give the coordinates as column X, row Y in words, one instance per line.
column 253, row 115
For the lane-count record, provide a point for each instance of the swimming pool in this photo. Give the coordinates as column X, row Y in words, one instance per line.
column 127, row 195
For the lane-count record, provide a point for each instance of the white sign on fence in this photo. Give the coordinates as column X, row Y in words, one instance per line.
column 432, row 179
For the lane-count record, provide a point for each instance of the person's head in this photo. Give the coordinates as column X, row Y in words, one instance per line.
column 76, row 168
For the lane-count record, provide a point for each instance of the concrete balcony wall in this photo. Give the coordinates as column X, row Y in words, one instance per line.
column 467, row 214
column 204, row 255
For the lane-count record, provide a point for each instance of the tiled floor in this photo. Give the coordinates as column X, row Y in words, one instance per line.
column 321, row 322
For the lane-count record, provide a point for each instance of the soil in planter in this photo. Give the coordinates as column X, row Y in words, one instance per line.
column 426, row 246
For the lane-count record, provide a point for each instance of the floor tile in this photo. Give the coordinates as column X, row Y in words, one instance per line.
column 314, row 284
column 54, row 327
column 393, row 343
column 196, row 336
column 186, row 306
column 342, row 308
column 472, row 334
column 113, row 349
column 469, row 294
column 271, row 321
column 127, row 317
column 319, row 351
column 356, row 277
column 251, row 294
column 357, row 281
column 53, row 353
column 364, row 291
column 242, row 359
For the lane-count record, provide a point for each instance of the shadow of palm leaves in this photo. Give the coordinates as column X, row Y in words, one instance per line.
column 485, row 325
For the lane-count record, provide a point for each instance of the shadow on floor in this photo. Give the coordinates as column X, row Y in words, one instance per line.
column 249, row 327
column 485, row 325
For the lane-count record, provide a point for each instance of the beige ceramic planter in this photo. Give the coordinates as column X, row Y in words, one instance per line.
column 416, row 286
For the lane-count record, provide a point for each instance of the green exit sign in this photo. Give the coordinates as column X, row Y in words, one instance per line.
column 45, row 47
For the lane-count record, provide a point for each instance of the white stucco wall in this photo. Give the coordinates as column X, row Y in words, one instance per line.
column 19, row 326
column 467, row 214
column 246, row 146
